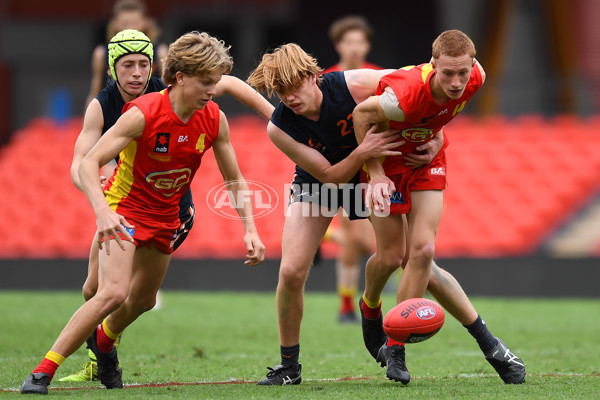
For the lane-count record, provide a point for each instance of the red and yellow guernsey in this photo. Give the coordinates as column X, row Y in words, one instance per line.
column 156, row 169
column 423, row 116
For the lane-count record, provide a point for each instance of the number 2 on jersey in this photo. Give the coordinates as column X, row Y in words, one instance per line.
column 345, row 125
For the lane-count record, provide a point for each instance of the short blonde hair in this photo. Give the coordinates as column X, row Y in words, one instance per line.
column 196, row 53
column 285, row 68
column 453, row 43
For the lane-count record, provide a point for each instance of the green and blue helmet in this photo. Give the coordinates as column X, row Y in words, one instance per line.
column 128, row 41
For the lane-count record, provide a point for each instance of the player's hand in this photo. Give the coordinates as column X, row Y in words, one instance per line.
column 378, row 194
column 110, row 224
column 428, row 152
column 255, row 249
column 380, row 144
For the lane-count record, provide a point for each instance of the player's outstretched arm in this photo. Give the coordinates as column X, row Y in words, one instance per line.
column 234, row 181
column 128, row 127
column 245, row 94
column 309, row 159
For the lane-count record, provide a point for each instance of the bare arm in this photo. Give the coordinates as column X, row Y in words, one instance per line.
column 234, row 181
column 91, row 132
column 128, row 127
column 367, row 115
column 309, row 159
column 362, row 83
column 245, row 94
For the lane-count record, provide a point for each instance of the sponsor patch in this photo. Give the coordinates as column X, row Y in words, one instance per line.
column 162, row 142
column 397, row 198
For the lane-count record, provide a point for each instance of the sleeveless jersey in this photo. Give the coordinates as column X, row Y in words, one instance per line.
column 333, row 134
column 156, row 169
column 423, row 116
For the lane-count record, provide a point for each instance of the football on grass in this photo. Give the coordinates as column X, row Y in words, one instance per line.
column 414, row 320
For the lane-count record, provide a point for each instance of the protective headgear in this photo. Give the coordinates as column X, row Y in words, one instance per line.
column 128, row 41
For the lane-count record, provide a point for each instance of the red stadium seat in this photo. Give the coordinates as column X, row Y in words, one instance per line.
column 511, row 183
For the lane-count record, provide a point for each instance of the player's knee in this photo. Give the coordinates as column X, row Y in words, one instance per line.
column 113, row 296
column 143, row 304
column 423, row 253
column 389, row 261
column 88, row 291
column 291, row 277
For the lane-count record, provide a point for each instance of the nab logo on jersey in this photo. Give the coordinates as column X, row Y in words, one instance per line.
column 162, row 142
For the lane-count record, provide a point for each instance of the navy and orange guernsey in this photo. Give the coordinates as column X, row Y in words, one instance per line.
column 423, row 116
column 156, row 169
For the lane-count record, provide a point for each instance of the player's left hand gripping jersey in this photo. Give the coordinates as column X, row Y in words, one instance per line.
column 156, row 169
column 423, row 116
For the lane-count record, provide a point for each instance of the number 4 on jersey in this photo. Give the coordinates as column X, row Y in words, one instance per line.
column 200, row 143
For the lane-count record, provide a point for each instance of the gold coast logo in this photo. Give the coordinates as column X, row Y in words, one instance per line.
column 227, row 198
column 169, row 182
column 417, row 135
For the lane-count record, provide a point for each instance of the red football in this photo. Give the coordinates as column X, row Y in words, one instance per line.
column 414, row 320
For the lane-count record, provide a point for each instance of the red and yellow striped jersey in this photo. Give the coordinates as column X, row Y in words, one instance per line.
column 423, row 117
column 156, row 169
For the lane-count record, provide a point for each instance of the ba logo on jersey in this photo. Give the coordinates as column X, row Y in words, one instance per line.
column 169, row 182
column 417, row 135
column 162, row 142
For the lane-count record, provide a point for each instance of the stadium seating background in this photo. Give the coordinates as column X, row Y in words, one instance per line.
column 512, row 184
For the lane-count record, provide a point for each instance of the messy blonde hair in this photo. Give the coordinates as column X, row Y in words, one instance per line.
column 285, row 68
column 453, row 43
column 196, row 53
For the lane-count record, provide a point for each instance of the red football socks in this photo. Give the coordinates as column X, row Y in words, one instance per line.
column 391, row 342
column 371, row 313
column 103, row 340
column 50, row 364
column 347, row 303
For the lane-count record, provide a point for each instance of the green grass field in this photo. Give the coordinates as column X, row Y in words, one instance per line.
column 217, row 345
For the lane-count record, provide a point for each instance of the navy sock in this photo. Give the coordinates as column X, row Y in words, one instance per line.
column 289, row 355
column 482, row 335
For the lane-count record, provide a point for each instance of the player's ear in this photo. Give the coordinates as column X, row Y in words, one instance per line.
column 432, row 62
column 179, row 78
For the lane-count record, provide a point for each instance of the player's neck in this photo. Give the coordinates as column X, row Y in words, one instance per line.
column 180, row 107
